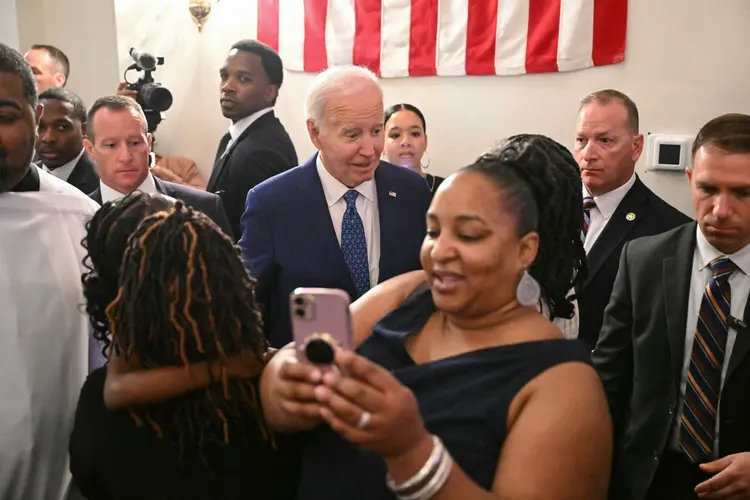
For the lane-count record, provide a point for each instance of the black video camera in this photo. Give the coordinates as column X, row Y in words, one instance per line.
column 152, row 97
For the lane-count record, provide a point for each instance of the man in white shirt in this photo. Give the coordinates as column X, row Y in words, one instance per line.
column 342, row 220
column 257, row 146
column 44, row 334
column 60, row 143
column 618, row 207
column 674, row 352
column 117, row 139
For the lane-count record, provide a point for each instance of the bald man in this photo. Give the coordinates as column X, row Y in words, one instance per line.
column 50, row 66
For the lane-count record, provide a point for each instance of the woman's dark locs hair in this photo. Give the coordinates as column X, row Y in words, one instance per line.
column 541, row 186
column 107, row 235
column 186, row 297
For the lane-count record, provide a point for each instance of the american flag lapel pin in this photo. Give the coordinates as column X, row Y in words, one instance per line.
column 392, row 193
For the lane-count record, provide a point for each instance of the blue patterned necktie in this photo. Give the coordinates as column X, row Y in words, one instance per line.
column 698, row 424
column 354, row 245
column 588, row 204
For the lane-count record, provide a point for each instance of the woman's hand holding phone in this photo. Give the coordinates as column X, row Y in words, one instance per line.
column 369, row 407
column 295, row 391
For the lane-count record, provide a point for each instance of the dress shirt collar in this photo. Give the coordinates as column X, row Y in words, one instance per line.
column 63, row 172
column 707, row 253
column 608, row 202
column 147, row 186
column 333, row 188
column 236, row 129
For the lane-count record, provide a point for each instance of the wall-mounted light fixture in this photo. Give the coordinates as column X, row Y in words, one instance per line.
column 200, row 10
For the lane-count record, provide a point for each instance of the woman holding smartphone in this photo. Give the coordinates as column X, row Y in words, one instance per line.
column 463, row 390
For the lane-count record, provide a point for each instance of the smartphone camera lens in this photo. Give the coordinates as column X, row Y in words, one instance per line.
column 299, row 301
column 300, row 312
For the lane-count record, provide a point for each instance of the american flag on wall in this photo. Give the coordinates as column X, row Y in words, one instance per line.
column 399, row 38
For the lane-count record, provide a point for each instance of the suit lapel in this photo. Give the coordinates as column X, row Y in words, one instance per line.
column 741, row 344
column 388, row 217
column 97, row 196
column 317, row 215
column 218, row 162
column 76, row 175
column 221, row 161
column 626, row 216
column 162, row 187
column 677, row 271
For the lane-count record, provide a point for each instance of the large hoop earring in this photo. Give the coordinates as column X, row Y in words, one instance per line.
column 425, row 167
column 528, row 290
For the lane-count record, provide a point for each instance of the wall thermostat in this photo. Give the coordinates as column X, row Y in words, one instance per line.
column 668, row 152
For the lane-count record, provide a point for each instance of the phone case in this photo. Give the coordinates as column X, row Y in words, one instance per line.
column 320, row 314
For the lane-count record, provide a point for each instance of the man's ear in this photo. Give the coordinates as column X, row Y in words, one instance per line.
column 60, row 80
column 637, row 147
column 88, row 145
column 272, row 92
column 313, row 130
column 38, row 112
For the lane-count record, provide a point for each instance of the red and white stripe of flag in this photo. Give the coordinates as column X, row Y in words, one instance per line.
column 398, row 38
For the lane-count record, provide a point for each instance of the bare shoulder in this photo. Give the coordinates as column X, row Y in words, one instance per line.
column 559, row 443
column 381, row 300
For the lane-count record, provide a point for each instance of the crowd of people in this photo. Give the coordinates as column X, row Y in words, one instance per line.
column 539, row 324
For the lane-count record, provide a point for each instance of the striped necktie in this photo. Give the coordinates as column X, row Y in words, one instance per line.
column 698, row 425
column 588, row 204
column 354, row 244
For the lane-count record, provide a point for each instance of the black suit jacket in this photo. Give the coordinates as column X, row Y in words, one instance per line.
column 640, row 355
column 208, row 203
column 84, row 175
column 650, row 215
column 263, row 150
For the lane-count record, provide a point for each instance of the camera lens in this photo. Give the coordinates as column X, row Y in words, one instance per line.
column 299, row 301
column 300, row 312
column 155, row 97
column 319, row 352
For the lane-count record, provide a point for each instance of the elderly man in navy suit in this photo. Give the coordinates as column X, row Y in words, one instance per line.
column 342, row 220
column 117, row 139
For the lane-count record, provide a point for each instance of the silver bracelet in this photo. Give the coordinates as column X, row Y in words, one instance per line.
column 427, row 469
column 435, row 483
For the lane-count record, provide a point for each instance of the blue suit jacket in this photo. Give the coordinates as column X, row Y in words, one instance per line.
column 208, row 203
column 288, row 239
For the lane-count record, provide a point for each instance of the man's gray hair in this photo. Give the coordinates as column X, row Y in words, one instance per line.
column 114, row 103
column 345, row 80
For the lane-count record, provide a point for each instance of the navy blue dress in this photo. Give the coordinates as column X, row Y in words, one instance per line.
column 463, row 399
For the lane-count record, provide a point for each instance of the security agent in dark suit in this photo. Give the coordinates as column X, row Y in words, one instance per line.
column 256, row 146
column 674, row 351
column 118, row 141
column 59, row 144
column 342, row 220
column 618, row 207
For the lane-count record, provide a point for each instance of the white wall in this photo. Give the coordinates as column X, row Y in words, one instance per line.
column 687, row 61
column 84, row 30
column 8, row 23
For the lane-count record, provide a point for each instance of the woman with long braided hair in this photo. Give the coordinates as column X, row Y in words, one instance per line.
column 551, row 172
column 466, row 388
column 182, row 301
